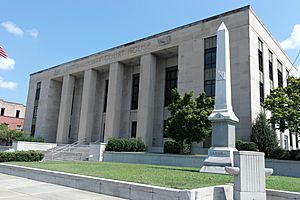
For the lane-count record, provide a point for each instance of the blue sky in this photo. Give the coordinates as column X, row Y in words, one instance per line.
column 40, row 34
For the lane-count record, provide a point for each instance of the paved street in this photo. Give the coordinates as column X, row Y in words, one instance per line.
column 16, row 188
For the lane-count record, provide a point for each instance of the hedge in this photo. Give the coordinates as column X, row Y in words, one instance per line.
column 29, row 139
column 171, row 146
column 245, row 146
column 125, row 144
column 21, row 156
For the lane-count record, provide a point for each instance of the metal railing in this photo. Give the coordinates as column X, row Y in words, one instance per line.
column 67, row 147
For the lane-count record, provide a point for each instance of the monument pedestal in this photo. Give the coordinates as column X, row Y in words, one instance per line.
column 220, row 154
column 218, row 158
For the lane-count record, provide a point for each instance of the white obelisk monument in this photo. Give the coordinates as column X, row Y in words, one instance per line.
column 223, row 118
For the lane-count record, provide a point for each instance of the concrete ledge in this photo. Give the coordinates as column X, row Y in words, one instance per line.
column 116, row 188
column 37, row 146
column 155, row 159
column 284, row 167
column 281, row 195
column 281, row 167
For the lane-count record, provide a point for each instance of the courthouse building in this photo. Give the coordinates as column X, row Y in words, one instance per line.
column 125, row 91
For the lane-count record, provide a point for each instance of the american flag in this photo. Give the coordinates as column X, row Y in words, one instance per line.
column 3, row 53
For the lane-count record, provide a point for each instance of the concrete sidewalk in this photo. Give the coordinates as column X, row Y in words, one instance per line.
column 17, row 188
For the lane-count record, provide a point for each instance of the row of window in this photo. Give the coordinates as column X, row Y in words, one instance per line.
column 3, row 112
column 271, row 73
column 170, row 83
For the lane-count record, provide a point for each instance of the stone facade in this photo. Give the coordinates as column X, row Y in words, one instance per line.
column 90, row 99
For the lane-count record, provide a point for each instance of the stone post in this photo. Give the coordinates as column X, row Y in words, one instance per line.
column 146, row 99
column 223, row 118
column 249, row 175
column 114, row 100
column 65, row 109
column 87, row 106
column 96, row 152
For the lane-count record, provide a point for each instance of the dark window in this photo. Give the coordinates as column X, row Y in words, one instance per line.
column 280, row 80
column 32, row 130
column 260, row 61
column 286, row 146
column 17, row 113
column 271, row 70
column 69, row 131
column 270, row 65
column 38, row 91
column 103, row 132
column 260, row 55
column 105, row 96
column 72, row 106
column 210, row 58
column 133, row 129
column 2, row 111
column 171, row 83
column 287, row 76
column 35, row 108
column 210, row 53
column 135, row 91
column 279, row 73
column 297, row 141
column 209, row 88
column 261, row 92
column 291, row 139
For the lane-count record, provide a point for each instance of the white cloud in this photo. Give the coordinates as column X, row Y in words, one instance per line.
column 7, row 84
column 7, row 64
column 12, row 28
column 33, row 32
column 293, row 41
column 16, row 30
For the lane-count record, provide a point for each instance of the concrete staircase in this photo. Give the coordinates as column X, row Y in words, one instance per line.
column 68, row 152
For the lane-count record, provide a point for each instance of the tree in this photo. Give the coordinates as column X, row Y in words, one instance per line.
column 284, row 104
column 8, row 135
column 264, row 135
column 189, row 118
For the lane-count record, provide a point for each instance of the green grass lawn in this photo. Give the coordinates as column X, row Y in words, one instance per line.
column 172, row 177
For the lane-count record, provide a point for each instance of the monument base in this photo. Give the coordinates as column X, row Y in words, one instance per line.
column 218, row 158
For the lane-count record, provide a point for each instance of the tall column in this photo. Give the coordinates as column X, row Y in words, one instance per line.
column 146, row 98
column 87, row 106
column 65, row 109
column 114, row 100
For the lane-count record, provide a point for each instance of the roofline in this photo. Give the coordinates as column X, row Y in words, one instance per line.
column 276, row 42
column 12, row 102
column 4, row 116
column 247, row 7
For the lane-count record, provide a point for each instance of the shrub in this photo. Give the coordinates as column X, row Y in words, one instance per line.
column 295, row 154
column 30, row 139
column 171, row 146
column 264, row 135
column 21, row 156
column 246, row 146
column 125, row 144
column 281, row 154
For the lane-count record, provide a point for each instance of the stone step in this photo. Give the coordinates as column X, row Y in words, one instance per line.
column 78, row 152
column 65, row 156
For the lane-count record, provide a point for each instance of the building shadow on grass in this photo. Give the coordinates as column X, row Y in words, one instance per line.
column 176, row 169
